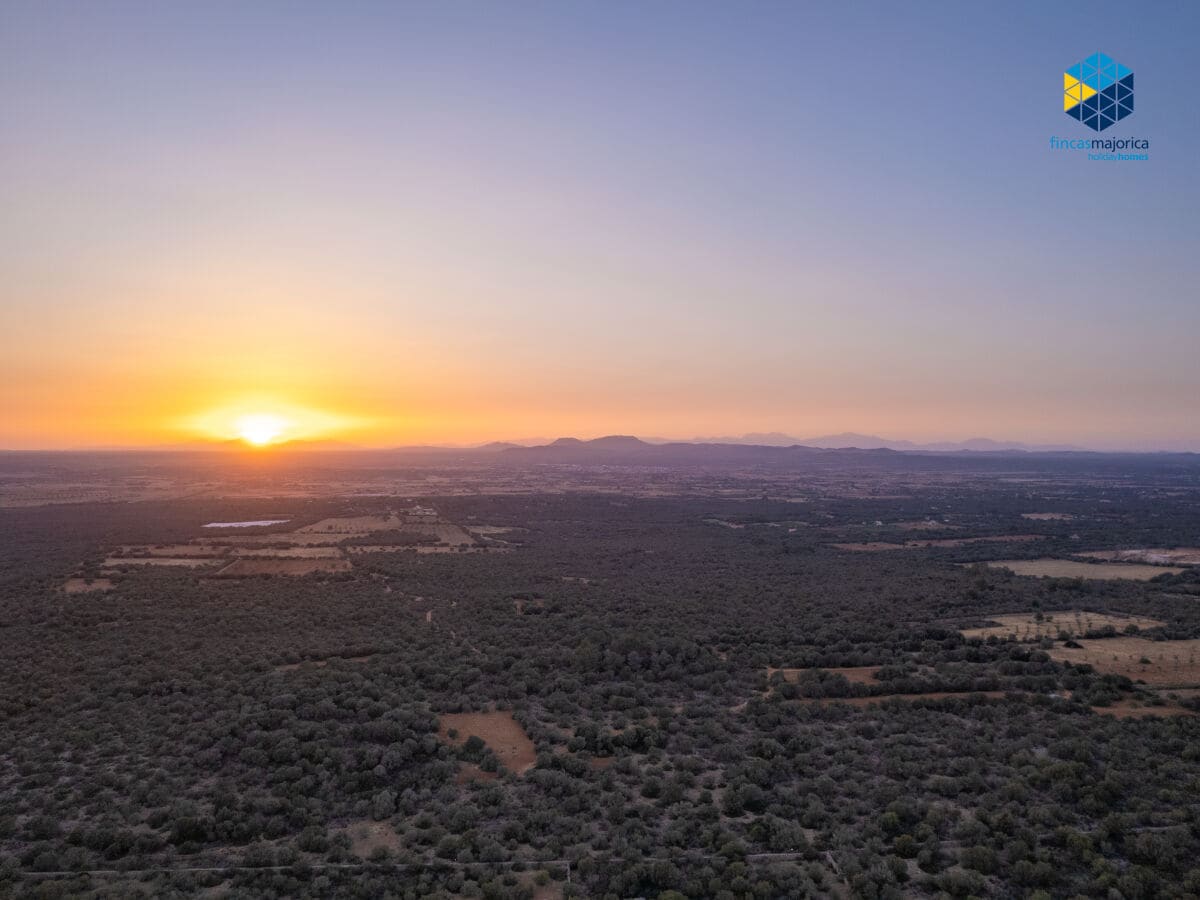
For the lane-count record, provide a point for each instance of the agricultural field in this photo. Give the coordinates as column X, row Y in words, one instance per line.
column 290, row 552
column 1073, row 623
column 875, row 546
column 1182, row 556
column 1156, row 663
column 1065, row 568
column 249, row 566
column 191, row 561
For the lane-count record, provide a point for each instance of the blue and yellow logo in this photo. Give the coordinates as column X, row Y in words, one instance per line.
column 1098, row 91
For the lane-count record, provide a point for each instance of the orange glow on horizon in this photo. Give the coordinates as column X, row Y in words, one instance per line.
column 265, row 421
column 261, row 429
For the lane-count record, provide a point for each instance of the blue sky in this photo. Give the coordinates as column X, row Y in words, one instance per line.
column 488, row 220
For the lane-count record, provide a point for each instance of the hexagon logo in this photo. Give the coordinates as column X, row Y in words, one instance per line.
column 1098, row 91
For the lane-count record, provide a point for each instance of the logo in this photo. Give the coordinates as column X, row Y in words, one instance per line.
column 1098, row 91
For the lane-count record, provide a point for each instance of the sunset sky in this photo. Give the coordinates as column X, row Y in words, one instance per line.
column 405, row 223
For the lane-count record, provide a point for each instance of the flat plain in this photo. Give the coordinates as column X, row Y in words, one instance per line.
column 682, row 678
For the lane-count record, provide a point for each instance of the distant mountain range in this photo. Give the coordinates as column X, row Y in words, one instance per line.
column 850, row 439
column 627, row 449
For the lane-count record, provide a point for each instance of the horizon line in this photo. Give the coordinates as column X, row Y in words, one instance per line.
column 335, row 446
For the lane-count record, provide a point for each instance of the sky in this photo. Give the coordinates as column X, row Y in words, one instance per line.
column 396, row 223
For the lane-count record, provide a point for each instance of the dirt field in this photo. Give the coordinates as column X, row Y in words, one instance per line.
column 1169, row 662
column 296, row 540
column 367, row 836
column 934, row 695
column 461, row 548
column 1047, row 517
column 1074, row 622
column 353, row 525
column 498, row 730
column 1131, row 709
column 187, row 561
column 962, row 542
column 1182, row 556
column 1065, row 568
column 174, row 550
column 82, row 586
column 451, row 534
column 382, row 548
column 925, row 525
column 853, row 674
column 290, row 552
column 877, row 546
column 248, row 566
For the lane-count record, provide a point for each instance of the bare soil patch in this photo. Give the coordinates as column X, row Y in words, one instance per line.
column 292, row 539
column 1047, row 516
column 348, row 525
column 548, row 891
column 994, row 539
column 925, row 525
column 879, row 698
column 83, row 586
column 367, row 836
column 1076, row 623
column 1180, row 556
column 1065, row 568
column 289, row 552
column 1166, row 662
column 452, row 534
column 853, row 674
column 186, row 561
column 499, row 730
column 1132, row 709
column 246, row 567
column 172, row 550
column 461, row 548
column 879, row 546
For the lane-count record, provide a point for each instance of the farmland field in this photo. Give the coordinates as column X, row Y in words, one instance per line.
column 1154, row 662
column 1075, row 623
column 1182, row 556
column 1065, row 568
column 244, row 567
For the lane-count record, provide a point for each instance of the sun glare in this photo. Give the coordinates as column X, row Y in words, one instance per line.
column 265, row 421
column 260, row 429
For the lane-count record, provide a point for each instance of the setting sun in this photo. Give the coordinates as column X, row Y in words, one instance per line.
column 263, row 420
column 261, row 429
